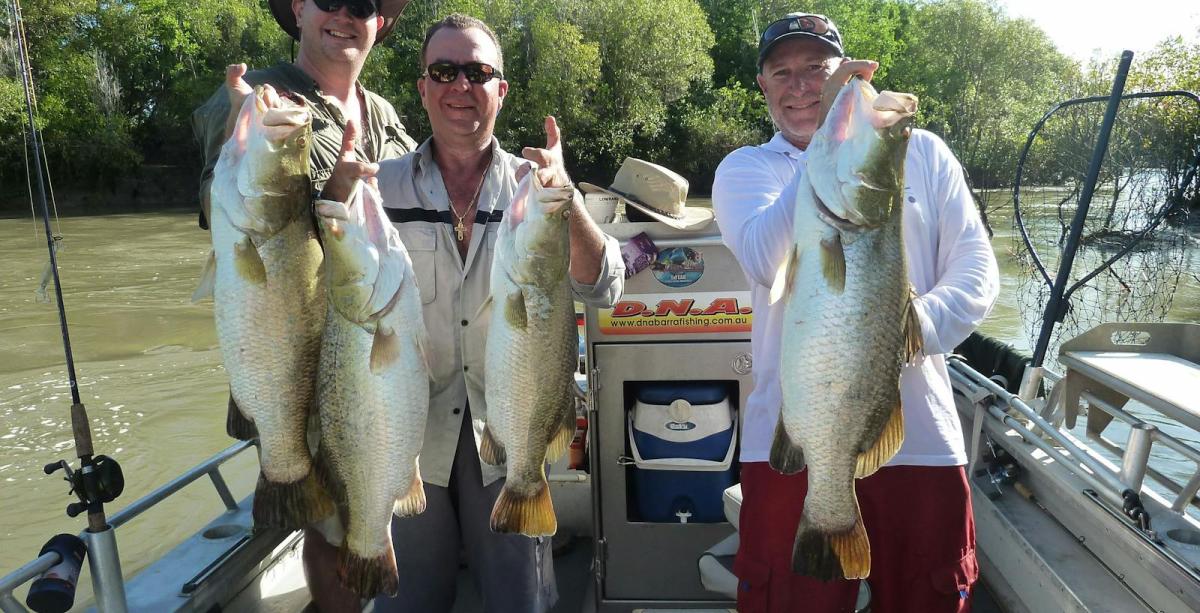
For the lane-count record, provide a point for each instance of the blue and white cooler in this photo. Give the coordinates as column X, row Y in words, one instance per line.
column 682, row 436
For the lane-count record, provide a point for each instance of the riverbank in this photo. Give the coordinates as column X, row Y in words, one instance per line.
column 151, row 188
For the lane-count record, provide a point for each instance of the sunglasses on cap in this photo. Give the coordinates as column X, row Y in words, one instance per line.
column 361, row 9
column 476, row 72
column 799, row 24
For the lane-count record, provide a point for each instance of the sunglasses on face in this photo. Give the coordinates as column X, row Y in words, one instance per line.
column 476, row 72
column 360, row 9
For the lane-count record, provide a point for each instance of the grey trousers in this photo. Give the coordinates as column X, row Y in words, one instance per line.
column 513, row 573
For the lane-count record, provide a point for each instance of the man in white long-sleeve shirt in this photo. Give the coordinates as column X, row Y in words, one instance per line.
column 917, row 509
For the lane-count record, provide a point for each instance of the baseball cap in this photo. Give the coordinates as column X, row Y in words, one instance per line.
column 792, row 25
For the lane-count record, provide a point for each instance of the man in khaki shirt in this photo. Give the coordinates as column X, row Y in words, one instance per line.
column 335, row 38
column 447, row 199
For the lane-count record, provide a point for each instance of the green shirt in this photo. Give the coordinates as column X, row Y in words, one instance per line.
column 384, row 137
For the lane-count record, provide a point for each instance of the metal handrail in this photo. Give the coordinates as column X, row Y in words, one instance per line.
column 1185, row 494
column 210, row 467
column 1096, row 474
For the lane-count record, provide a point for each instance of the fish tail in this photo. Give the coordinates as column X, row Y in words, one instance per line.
column 369, row 576
column 832, row 555
column 237, row 424
column 291, row 506
column 528, row 513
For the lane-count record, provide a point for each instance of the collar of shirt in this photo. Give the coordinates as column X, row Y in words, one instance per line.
column 429, row 177
column 779, row 144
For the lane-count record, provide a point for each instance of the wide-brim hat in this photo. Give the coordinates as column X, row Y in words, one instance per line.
column 656, row 191
column 390, row 9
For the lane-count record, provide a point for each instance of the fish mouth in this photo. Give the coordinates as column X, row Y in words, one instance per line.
column 841, row 223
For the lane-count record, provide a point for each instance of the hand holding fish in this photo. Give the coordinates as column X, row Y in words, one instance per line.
column 347, row 169
column 238, row 89
column 848, row 69
column 550, row 168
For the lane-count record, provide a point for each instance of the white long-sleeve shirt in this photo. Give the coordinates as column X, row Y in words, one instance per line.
column 950, row 264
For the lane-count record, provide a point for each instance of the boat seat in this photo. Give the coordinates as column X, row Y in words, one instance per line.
column 716, row 563
column 1155, row 364
column 732, row 500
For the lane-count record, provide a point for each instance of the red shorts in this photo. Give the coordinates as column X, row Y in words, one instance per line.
column 919, row 522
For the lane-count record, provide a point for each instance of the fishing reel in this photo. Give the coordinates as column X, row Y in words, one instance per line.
column 98, row 481
column 1001, row 470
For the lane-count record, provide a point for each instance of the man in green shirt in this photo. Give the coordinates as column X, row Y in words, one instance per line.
column 335, row 37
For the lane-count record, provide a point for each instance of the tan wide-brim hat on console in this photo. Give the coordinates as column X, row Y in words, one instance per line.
column 390, row 9
column 656, row 191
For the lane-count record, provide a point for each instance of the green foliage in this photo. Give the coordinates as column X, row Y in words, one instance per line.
column 983, row 80
column 673, row 81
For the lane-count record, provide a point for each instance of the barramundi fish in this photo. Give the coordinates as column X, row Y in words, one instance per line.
column 372, row 386
column 849, row 325
column 532, row 353
column 269, row 300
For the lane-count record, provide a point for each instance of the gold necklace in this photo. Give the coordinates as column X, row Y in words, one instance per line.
column 459, row 228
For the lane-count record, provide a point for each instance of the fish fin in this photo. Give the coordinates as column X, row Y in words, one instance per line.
column 826, row 556
column 514, row 310
column 421, row 338
column 385, row 349
column 561, row 441
column 885, row 446
column 248, row 262
column 528, row 513
column 413, row 503
column 490, row 449
column 208, row 279
column 786, row 456
column 913, row 342
column 369, row 576
column 237, row 424
column 323, row 467
column 785, row 277
column 833, row 263
column 291, row 506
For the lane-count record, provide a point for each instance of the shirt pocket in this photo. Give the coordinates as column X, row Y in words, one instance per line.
column 421, row 244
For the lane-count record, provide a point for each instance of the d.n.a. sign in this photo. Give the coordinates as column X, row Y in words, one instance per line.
column 698, row 313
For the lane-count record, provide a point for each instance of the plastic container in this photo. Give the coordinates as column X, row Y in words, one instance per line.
column 683, row 437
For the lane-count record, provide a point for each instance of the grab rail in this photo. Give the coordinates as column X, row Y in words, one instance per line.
column 210, row 467
column 1069, row 454
column 1142, row 438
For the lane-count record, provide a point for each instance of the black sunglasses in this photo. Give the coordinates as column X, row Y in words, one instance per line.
column 447, row 72
column 361, row 9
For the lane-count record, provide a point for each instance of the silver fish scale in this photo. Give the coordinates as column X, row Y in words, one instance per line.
column 840, row 377
column 372, row 425
column 529, row 371
column 270, row 338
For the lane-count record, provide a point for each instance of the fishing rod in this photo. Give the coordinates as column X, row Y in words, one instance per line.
column 99, row 478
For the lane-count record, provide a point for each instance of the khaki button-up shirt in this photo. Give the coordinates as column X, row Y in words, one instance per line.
column 453, row 289
column 384, row 137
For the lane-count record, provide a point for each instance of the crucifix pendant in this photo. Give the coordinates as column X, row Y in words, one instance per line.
column 460, row 230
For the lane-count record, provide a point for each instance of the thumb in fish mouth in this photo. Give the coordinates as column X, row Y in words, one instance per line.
column 864, row 69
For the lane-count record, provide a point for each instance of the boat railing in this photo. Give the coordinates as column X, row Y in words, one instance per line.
column 990, row 397
column 1135, row 456
column 100, row 583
